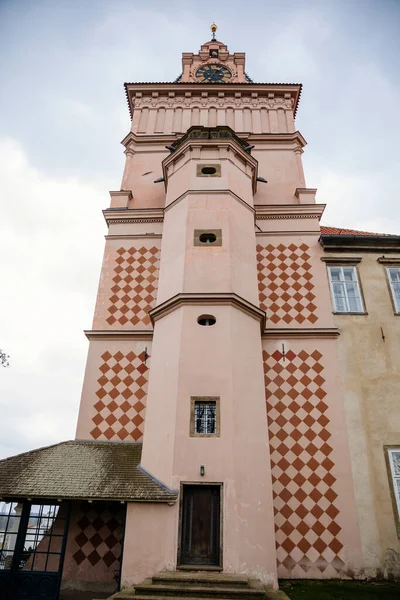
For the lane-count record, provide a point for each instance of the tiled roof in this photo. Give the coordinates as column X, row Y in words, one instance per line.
column 82, row 470
column 340, row 231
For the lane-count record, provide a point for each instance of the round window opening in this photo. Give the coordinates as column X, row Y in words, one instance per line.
column 206, row 320
column 208, row 170
column 208, row 238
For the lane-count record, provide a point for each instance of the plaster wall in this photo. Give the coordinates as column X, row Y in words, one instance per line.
column 128, row 281
column 113, row 401
column 280, row 165
column 292, row 279
column 225, row 361
column 230, row 267
column 370, row 373
column 235, row 174
column 94, row 545
column 317, row 530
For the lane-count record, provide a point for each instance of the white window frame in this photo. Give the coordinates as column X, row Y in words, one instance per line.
column 395, row 478
column 343, row 281
column 396, row 299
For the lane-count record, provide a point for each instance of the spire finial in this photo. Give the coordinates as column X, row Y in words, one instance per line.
column 213, row 30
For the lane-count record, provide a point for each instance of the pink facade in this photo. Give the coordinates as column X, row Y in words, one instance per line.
column 280, row 459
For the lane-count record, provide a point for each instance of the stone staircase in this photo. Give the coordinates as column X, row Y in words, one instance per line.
column 197, row 585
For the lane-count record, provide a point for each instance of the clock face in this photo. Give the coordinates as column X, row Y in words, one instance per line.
column 213, row 74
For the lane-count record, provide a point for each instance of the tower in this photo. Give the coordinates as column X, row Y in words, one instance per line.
column 212, row 298
column 211, row 433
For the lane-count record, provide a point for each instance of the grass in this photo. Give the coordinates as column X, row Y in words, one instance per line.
column 339, row 590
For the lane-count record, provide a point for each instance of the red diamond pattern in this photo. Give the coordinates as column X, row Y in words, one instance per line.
column 285, row 283
column 99, row 536
column 307, row 534
column 135, row 282
column 120, row 412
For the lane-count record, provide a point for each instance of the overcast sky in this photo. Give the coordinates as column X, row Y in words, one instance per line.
column 63, row 113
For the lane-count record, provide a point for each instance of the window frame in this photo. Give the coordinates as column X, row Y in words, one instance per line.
column 394, row 491
column 205, row 399
column 396, row 305
column 342, row 266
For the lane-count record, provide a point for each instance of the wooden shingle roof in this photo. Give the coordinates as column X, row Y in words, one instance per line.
column 82, row 470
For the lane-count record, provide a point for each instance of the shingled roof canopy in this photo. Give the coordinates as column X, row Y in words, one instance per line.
column 82, row 470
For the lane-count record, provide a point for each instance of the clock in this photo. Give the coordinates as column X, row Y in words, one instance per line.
column 213, row 74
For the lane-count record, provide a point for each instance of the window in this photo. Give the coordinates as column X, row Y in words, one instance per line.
column 206, row 320
column 394, row 461
column 394, row 279
column 207, row 237
column 204, row 419
column 345, row 290
column 209, row 170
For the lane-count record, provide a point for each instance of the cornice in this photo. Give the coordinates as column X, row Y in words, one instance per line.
column 289, row 211
column 352, row 260
column 133, row 215
column 277, row 138
column 287, row 92
column 116, row 334
column 208, row 193
column 360, row 243
column 386, row 260
column 262, row 139
column 128, row 236
column 301, row 333
column 208, row 299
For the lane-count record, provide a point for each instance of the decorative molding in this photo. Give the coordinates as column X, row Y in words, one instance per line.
column 386, row 260
column 128, row 236
column 284, row 93
column 132, row 220
column 301, row 333
column 306, row 191
column 292, row 232
column 116, row 334
column 280, row 216
column 207, row 299
column 133, row 215
column 352, row 260
column 183, row 101
column 289, row 211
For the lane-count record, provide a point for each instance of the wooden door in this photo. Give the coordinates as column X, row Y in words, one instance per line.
column 200, row 528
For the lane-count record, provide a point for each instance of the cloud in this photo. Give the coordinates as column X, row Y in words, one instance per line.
column 52, row 231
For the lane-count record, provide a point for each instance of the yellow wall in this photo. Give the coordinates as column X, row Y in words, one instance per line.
column 370, row 372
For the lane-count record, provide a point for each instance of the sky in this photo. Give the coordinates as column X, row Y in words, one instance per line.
column 63, row 114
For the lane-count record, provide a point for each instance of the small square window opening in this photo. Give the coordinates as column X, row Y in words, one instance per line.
column 345, row 290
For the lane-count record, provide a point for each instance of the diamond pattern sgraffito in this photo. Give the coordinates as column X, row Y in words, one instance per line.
column 285, row 283
column 99, row 537
column 135, row 281
column 121, row 397
column 307, row 532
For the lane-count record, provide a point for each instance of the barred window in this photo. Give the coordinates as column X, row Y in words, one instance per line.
column 394, row 279
column 345, row 290
column 205, row 417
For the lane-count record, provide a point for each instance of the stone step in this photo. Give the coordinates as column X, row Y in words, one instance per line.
column 201, row 591
column 200, row 578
